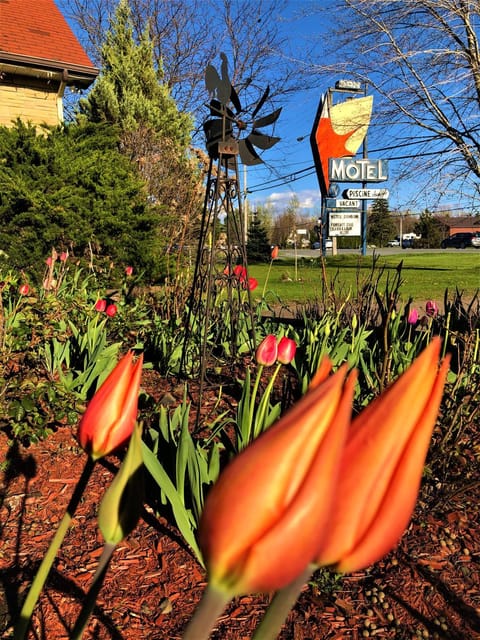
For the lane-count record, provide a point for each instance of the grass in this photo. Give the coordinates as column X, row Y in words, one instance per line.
column 424, row 275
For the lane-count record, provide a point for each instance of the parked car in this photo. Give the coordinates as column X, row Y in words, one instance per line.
column 476, row 240
column 393, row 243
column 458, row 241
column 328, row 244
column 407, row 243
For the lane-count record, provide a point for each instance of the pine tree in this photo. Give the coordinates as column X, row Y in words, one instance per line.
column 381, row 227
column 258, row 246
column 129, row 91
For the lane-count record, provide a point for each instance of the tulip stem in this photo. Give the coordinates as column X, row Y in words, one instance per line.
column 280, row 606
column 259, row 425
column 93, row 592
column 210, row 607
column 252, row 401
column 46, row 564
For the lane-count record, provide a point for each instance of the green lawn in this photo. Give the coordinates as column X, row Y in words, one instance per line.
column 424, row 275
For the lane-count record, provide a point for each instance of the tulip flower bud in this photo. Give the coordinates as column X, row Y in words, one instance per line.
column 260, row 526
column 382, row 466
column 100, row 305
column 128, row 271
column 274, row 253
column 267, row 351
column 286, row 350
column 111, row 414
column 24, row 289
column 111, row 310
column 431, row 308
column 412, row 316
column 122, row 503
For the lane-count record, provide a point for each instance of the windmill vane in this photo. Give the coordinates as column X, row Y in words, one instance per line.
column 223, row 129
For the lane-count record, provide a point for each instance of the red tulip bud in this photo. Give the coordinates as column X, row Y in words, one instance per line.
column 274, row 253
column 128, row 271
column 24, row 289
column 100, row 305
column 286, row 350
column 267, row 351
column 111, row 310
column 111, row 414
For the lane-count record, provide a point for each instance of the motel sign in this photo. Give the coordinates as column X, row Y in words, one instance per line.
column 357, row 170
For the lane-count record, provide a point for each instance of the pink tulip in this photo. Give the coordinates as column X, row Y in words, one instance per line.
column 267, row 351
column 128, row 271
column 286, row 350
column 413, row 317
column 111, row 310
column 24, row 289
column 431, row 308
column 111, row 414
column 260, row 525
column 382, row 466
column 64, row 256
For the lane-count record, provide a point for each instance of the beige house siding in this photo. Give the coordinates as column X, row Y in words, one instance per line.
column 31, row 101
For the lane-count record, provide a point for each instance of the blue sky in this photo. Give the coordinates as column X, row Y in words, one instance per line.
column 292, row 157
column 288, row 169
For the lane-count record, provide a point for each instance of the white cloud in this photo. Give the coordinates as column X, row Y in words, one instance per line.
column 309, row 200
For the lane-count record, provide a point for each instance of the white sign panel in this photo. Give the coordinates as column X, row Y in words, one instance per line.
column 357, row 170
column 344, row 224
column 347, row 204
column 367, row 194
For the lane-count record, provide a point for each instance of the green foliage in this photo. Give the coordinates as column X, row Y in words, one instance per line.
column 129, row 91
column 182, row 468
column 258, row 246
column 72, row 189
column 430, row 228
column 381, row 227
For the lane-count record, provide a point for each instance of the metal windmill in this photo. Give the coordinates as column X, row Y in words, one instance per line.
column 233, row 134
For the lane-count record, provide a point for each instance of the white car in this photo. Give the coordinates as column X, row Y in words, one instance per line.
column 476, row 240
column 393, row 243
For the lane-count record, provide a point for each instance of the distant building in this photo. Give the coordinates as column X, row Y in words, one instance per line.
column 460, row 224
column 39, row 57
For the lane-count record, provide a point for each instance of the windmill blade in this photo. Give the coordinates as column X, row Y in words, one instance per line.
column 269, row 119
column 262, row 141
column 248, row 155
column 261, row 102
column 235, row 99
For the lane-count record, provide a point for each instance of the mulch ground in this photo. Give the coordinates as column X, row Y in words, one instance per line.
column 429, row 587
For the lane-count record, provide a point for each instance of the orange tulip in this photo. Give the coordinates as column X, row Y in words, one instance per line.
column 259, row 528
column 110, row 417
column 382, row 466
column 274, row 253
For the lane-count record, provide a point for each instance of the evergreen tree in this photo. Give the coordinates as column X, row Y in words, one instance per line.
column 258, row 246
column 73, row 190
column 129, row 91
column 430, row 229
column 380, row 227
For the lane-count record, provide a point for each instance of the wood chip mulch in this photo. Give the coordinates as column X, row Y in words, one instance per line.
column 429, row 587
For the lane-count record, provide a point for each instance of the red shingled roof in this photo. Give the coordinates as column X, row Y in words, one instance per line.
column 37, row 29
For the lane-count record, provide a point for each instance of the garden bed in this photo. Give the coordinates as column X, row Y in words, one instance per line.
column 428, row 587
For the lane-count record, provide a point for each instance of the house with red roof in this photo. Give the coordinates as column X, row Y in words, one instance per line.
column 39, row 57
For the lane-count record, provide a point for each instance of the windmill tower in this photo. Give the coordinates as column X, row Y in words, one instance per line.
column 220, row 297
